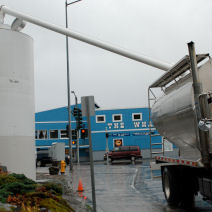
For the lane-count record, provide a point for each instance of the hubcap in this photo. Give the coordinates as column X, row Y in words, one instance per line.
column 39, row 163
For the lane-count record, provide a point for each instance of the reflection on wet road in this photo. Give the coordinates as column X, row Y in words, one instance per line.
column 125, row 187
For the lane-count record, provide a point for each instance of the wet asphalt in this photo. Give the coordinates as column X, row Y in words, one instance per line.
column 123, row 187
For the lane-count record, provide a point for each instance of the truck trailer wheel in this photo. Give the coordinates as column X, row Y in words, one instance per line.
column 171, row 186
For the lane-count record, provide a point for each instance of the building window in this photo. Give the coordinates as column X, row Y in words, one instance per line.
column 53, row 134
column 41, row 134
column 117, row 117
column 117, row 142
column 63, row 134
column 100, row 118
column 137, row 116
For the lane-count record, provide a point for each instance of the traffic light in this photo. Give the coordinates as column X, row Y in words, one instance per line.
column 73, row 142
column 75, row 112
column 79, row 119
column 74, row 134
column 84, row 133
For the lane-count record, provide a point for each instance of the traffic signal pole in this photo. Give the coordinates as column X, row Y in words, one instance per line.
column 68, row 93
column 77, row 144
column 78, row 117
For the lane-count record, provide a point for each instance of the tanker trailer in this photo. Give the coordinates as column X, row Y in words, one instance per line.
column 182, row 115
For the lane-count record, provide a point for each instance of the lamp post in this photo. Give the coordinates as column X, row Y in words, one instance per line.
column 77, row 144
column 68, row 86
column 107, row 149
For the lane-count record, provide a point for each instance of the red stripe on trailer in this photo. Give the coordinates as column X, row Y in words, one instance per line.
column 178, row 161
column 194, row 163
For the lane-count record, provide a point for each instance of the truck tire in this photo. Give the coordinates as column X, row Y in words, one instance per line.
column 171, row 185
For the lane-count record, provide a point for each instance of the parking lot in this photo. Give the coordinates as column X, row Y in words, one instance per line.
column 124, row 187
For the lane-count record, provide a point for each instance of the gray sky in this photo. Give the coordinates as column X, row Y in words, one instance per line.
column 157, row 28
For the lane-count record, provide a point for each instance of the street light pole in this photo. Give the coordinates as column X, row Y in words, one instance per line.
column 68, row 93
column 77, row 144
column 68, row 86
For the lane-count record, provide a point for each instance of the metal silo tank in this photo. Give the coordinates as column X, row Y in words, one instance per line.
column 17, row 142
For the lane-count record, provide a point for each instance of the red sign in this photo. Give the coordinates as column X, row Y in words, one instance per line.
column 118, row 142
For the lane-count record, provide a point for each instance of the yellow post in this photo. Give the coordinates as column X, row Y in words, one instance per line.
column 62, row 167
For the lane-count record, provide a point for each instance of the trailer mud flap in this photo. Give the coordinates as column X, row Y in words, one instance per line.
column 205, row 187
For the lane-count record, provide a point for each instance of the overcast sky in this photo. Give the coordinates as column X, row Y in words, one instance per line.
column 160, row 29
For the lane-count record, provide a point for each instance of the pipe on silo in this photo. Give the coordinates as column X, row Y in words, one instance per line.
column 94, row 42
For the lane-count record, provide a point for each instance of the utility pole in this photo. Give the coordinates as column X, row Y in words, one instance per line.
column 68, row 94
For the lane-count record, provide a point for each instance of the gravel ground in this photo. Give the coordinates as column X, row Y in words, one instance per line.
column 79, row 204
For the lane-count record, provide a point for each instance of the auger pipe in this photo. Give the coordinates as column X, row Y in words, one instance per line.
column 75, row 35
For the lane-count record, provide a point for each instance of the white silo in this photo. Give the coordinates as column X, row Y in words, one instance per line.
column 17, row 143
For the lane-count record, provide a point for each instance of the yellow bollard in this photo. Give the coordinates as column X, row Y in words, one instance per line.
column 62, row 167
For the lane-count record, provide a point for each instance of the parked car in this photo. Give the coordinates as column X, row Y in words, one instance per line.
column 43, row 158
column 124, row 152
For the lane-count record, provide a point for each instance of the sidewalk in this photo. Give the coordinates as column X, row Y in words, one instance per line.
column 79, row 204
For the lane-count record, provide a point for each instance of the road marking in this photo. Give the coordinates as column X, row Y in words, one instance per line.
column 133, row 181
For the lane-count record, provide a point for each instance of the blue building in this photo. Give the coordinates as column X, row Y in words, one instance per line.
column 129, row 126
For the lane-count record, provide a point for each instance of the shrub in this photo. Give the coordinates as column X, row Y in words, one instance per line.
column 3, row 195
column 18, row 188
column 54, row 188
column 6, row 179
column 22, row 178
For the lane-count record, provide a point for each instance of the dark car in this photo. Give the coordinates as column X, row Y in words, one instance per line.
column 43, row 158
column 124, row 152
